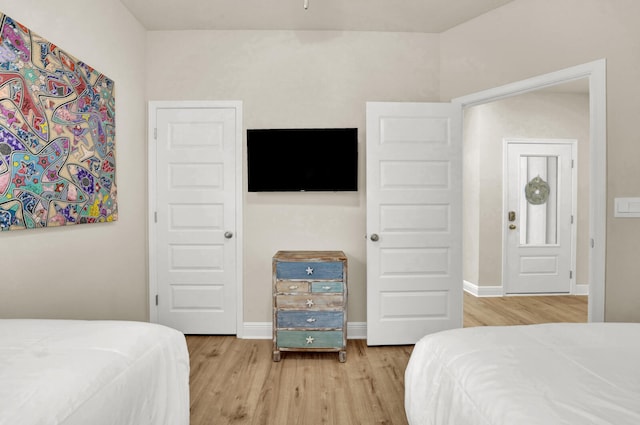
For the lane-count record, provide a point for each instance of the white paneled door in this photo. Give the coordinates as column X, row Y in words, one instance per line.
column 539, row 217
column 195, row 219
column 414, row 220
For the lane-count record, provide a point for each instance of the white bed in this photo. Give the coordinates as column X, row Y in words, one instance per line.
column 524, row 375
column 71, row 372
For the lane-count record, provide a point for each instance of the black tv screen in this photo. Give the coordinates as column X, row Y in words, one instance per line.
column 309, row 159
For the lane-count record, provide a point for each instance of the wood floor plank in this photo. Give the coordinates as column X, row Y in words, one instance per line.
column 234, row 381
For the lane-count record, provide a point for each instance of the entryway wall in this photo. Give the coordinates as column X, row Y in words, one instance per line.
column 540, row 114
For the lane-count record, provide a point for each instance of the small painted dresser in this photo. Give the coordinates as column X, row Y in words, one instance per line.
column 310, row 302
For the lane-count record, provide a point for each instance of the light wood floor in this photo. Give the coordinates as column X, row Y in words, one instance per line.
column 523, row 310
column 234, row 381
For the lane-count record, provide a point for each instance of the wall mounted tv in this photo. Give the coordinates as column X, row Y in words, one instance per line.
column 300, row 160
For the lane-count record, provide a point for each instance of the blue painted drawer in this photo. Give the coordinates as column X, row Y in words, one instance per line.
column 327, row 286
column 310, row 339
column 309, row 270
column 310, row 319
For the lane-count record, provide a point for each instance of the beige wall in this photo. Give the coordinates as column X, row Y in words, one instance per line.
column 532, row 37
column 538, row 115
column 296, row 79
column 306, row 79
column 88, row 271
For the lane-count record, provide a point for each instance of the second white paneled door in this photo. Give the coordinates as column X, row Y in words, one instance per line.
column 414, row 220
column 195, row 218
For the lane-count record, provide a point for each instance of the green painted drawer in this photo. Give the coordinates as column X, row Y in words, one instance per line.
column 327, row 286
column 310, row 339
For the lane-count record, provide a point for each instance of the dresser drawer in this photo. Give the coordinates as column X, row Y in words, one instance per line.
column 327, row 287
column 291, row 287
column 309, row 301
column 309, row 319
column 309, row 270
column 310, row 339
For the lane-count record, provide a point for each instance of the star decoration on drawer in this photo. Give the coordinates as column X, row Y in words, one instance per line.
column 309, row 303
column 309, row 270
column 310, row 340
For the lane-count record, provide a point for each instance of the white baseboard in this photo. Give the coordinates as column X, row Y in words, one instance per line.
column 263, row 330
column 482, row 291
column 357, row 330
column 496, row 291
column 256, row 330
column 581, row 289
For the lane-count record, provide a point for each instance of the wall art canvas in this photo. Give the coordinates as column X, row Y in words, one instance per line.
column 57, row 135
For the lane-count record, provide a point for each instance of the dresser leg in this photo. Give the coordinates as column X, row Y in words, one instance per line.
column 342, row 356
column 276, row 356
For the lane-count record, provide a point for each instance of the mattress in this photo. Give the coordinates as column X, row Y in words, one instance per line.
column 92, row 372
column 564, row 373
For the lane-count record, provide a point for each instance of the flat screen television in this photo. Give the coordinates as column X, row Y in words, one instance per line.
column 300, row 160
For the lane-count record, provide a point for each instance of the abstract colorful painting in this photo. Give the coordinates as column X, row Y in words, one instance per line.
column 57, row 135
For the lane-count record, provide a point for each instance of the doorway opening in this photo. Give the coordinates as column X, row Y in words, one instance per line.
column 586, row 81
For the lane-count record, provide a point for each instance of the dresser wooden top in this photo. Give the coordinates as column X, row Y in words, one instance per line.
column 310, row 255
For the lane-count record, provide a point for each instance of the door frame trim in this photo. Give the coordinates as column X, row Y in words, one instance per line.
column 153, row 108
column 573, row 143
column 596, row 73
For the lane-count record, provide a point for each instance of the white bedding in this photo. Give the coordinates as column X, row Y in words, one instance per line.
column 67, row 372
column 524, row 375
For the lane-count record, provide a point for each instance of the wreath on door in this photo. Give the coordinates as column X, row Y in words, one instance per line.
column 537, row 191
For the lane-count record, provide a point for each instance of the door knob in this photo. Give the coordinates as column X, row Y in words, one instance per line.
column 228, row 235
column 375, row 237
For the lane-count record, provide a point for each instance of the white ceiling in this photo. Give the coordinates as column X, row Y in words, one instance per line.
column 428, row 16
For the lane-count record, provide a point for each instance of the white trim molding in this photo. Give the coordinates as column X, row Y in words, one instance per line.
column 482, row 291
column 256, row 330
column 497, row 291
column 581, row 289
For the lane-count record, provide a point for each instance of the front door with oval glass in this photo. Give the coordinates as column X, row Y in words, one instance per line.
column 539, row 217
